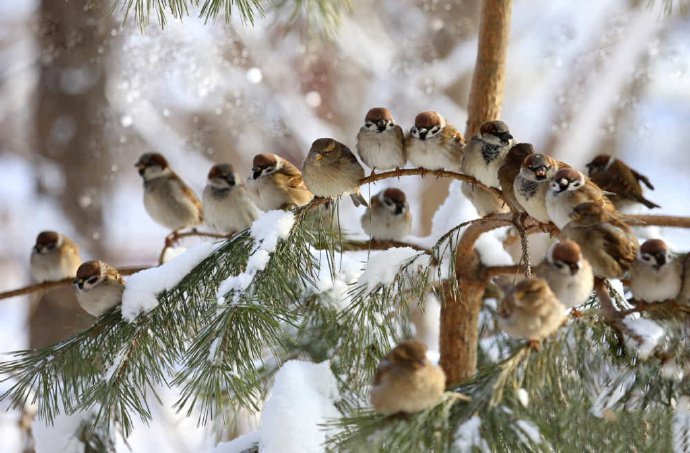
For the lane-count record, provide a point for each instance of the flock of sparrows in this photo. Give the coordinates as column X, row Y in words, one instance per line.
column 594, row 240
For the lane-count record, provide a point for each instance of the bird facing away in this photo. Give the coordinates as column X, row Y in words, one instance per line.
column 54, row 257
column 486, row 152
column 614, row 176
column 406, row 382
column 433, row 143
column 657, row 273
column 530, row 310
column 606, row 242
column 381, row 142
column 388, row 216
column 98, row 287
column 510, row 170
column 277, row 184
column 331, row 170
column 167, row 199
column 228, row 208
column 568, row 274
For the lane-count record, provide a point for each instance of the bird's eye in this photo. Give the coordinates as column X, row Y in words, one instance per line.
column 646, row 257
column 368, row 123
column 51, row 246
column 576, row 184
column 558, row 264
column 91, row 280
column 387, row 202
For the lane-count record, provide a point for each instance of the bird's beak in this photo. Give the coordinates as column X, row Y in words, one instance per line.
column 38, row 249
column 660, row 259
column 256, row 172
column 399, row 208
column 540, row 173
column 422, row 133
column 141, row 167
column 318, row 157
column 505, row 136
column 79, row 282
column 574, row 267
column 562, row 185
column 381, row 125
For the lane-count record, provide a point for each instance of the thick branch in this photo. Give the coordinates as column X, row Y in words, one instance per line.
column 493, row 271
column 658, row 220
column 348, row 246
column 424, row 172
column 488, row 81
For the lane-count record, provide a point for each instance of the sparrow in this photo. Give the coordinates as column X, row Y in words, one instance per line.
column 657, row 273
column 406, row 381
column 510, row 170
column 54, row 257
column 331, row 170
column 529, row 310
column 227, row 205
column 276, row 184
column 388, row 216
column 568, row 274
column 607, row 243
column 684, row 295
column 614, row 176
column 381, row 142
column 486, row 152
column 569, row 188
column 434, row 144
column 532, row 183
column 167, row 199
column 98, row 287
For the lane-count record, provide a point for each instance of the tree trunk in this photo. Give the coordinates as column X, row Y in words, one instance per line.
column 70, row 119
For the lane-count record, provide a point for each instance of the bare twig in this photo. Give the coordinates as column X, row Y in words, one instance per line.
column 379, row 245
column 493, row 271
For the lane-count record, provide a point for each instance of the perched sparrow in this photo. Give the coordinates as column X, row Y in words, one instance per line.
column 434, row 144
column 510, row 170
column 381, row 142
column 227, row 204
column 331, row 170
column 656, row 275
column 167, row 199
column 606, row 242
column 614, row 176
column 388, row 217
column 568, row 274
column 98, row 287
column 406, row 381
column 684, row 295
column 485, row 153
column 569, row 188
column 277, row 184
column 530, row 310
column 531, row 185
column 54, row 257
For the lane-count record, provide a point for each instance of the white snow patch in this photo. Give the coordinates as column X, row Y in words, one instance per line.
column 266, row 231
column 671, row 371
column 335, row 288
column 468, row 437
column 646, row 336
column 238, row 445
column 300, row 401
column 114, row 365
column 527, row 432
column 523, row 396
column 142, row 288
column 610, row 395
column 491, row 251
column 383, row 267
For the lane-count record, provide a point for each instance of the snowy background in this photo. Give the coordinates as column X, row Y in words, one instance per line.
column 612, row 79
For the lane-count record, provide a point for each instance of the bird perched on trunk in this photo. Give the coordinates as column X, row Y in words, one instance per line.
column 532, row 184
column 486, row 152
column 227, row 205
column 381, row 142
column 167, row 199
column 54, row 257
column 613, row 175
column 388, row 216
column 510, row 170
column 529, row 310
column 331, row 170
column 433, row 143
column 276, row 184
column 98, row 287
column 568, row 274
column 406, row 382
column 570, row 188
column 657, row 273
column 605, row 240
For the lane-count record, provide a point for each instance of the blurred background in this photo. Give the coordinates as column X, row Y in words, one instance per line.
column 84, row 93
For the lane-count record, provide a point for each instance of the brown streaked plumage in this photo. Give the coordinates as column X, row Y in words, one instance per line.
column 529, row 310
column 381, row 142
column 434, row 144
column 606, row 241
column 657, row 273
column 167, row 199
column 486, row 152
column 510, row 170
column 406, row 382
column 570, row 188
column 228, row 206
column 331, row 170
column 276, row 183
column 614, row 176
column 568, row 274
